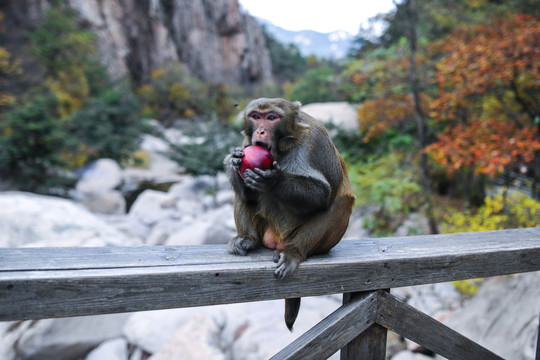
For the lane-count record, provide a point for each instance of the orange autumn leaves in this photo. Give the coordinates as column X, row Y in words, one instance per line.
column 482, row 89
column 488, row 147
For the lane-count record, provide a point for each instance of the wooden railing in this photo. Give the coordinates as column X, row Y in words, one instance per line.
column 40, row 283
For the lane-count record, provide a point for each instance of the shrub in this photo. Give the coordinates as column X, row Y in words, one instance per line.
column 388, row 186
column 504, row 210
column 31, row 144
column 108, row 126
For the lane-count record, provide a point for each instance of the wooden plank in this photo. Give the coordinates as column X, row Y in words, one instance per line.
column 370, row 344
column 41, row 283
column 419, row 327
column 334, row 331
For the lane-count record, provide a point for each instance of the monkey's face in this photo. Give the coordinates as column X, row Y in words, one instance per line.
column 263, row 124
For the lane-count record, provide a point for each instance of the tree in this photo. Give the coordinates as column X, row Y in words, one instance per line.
column 31, row 145
column 9, row 67
column 66, row 53
column 489, row 85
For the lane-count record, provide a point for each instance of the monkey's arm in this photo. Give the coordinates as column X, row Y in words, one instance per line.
column 302, row 194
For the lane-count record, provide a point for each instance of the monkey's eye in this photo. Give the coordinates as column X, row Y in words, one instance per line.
column 255, row 116
column 272, row 117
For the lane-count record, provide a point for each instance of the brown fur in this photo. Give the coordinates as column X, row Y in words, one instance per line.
column 302, row 206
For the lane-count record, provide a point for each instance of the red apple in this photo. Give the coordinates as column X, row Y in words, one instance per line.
column 256, row 157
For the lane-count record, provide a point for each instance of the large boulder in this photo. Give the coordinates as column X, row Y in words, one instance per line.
column 196, row 339
column 503, row 316
column 342, row 114
column 97, row 187
column 67, row 338
column 34, row 220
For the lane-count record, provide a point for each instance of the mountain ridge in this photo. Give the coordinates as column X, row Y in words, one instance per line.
column 333, row 45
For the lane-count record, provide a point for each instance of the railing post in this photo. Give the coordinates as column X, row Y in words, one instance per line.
column 370, row 344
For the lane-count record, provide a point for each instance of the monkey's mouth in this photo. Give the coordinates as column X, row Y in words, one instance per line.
column 263, row 144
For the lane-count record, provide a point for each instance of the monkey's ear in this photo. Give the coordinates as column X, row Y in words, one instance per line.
column 297, row 104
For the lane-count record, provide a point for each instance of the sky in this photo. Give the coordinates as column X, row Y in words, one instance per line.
column 320, row 15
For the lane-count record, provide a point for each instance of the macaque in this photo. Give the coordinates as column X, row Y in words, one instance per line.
column 302, row 204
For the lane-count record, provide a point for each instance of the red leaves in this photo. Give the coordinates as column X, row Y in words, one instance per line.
column 486, row 146
column 487, row 81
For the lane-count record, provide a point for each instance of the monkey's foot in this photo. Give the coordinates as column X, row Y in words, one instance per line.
column 241, row 245
column 285, row 265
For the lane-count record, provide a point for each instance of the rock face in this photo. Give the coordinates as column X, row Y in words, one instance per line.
column 503, row 316
column 213, row 38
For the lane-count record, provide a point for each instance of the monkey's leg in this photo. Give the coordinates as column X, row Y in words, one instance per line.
column 247, row 225
column 316, row 236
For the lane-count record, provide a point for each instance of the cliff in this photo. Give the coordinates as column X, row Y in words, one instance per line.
column 213, row 38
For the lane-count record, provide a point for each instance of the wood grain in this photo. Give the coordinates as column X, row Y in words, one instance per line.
column 333, row 332
column 55, row 282
column 419, row 327
column 370, row 344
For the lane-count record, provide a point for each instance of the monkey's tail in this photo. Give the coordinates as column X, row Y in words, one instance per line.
column 292, row 306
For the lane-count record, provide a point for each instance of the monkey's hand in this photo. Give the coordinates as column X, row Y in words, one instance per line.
column 286, row 264
column 262, row 180
column 236, row 159
column 241, row 245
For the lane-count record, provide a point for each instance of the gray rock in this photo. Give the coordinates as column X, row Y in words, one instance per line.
column 197, row 338
column 34, row 220
column 103, row 175
column 115, row 349
column 106, row 202
column 191, row 232
column 150, row 330
column 96, row 188
column 218, row 234
column 503, row 316
column 149, row 208
column 67, row 338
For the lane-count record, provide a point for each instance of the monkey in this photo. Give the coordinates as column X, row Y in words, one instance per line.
column 300, row 206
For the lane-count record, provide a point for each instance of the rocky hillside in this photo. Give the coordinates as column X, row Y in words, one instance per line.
column 213, row 38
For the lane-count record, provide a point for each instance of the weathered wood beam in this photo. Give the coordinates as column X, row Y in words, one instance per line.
column 334, row 331
column 370, row 344
column 54, row 282
column 405, row 320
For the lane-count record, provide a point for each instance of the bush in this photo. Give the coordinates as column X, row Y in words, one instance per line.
column 209, row 143
column 108, row 126
column 174, row 93
column 504, row 210
column 385, row 184
column 31, row 144
column 317, row 85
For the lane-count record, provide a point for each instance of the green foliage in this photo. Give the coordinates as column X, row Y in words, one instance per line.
column 467, row 288
column 504, row 210
column 384, row 183
column 108, row 126
column 31, row 144
column 174, row 93
column 317, row 85
column 209, row 143
column 78, row 116
column 66, row 53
